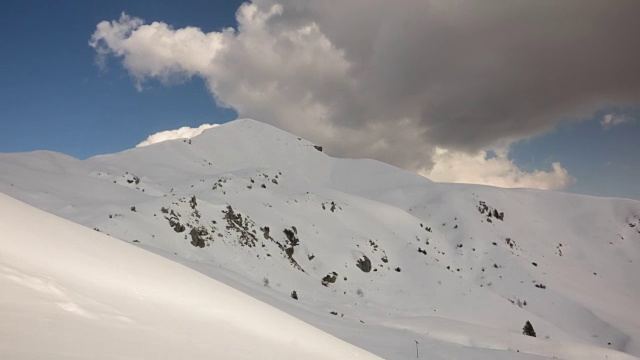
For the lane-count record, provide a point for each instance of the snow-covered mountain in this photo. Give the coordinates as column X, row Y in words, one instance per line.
column 379, row 257
column 68, row 292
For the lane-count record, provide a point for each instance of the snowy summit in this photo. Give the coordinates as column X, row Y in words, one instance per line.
column 212, row 246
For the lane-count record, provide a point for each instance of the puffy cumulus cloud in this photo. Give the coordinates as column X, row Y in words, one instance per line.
column 184, row 132
column 498, row 170
column 395, row 80
column 609, row 120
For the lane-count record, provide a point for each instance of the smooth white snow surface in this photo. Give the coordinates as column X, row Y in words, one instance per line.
column 69, row 292
column 377, row 256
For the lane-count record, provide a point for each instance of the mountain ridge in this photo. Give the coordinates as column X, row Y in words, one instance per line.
column 362, row 243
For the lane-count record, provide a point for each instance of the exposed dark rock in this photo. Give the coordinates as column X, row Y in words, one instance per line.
column 199, row 236
column 364, row 264
column 330, row 278
column 177, row 227
column 241, row 225
column 292, row 238
column 265, row 233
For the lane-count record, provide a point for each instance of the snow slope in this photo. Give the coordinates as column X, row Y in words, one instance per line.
column 377, row 256
column 70, row 292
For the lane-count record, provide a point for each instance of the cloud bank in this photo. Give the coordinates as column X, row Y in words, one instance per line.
column 609, row 120
column 397, row 80
column 184, row 132
column 480, row 168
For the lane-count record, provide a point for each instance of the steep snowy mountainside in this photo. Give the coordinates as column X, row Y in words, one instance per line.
column 377, row 256
column 70, row 292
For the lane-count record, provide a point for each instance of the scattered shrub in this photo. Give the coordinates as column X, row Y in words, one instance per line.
column 528, row 329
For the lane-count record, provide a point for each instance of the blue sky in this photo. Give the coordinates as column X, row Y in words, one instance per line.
column 54, row 97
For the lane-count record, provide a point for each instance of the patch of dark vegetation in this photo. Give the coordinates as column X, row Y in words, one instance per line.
column 559, row 248
column 134, row 179
column 528, row 329
column 333, row 207
column 490, row 212
column 373, row 244
column 219, row 183
column 518, row 302
column 510, row 242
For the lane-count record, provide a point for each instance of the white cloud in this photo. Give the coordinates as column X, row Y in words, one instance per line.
column 184, row 132
column 610, row 120
column 396, row 80
column 499, row 170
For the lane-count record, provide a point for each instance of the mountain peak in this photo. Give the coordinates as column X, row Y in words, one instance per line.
column 371, row 253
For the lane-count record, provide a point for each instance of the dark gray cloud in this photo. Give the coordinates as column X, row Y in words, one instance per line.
column 475, row 72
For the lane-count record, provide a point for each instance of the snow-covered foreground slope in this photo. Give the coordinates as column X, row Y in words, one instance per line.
column 377, row 256
column 71, row 293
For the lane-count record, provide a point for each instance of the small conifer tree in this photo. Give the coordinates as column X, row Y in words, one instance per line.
column 528, row 329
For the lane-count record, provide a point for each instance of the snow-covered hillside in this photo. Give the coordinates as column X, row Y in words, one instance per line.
column 69, row 292
column 376, row 256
